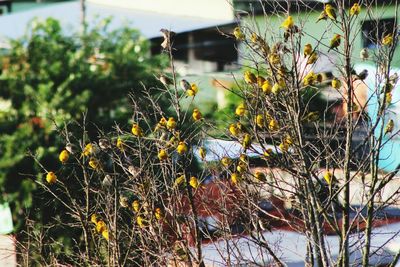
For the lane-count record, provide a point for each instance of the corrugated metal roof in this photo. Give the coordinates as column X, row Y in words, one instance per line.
column 149, row 23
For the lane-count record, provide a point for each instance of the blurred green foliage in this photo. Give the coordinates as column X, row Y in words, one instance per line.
column 49, row 77
column 226, row 115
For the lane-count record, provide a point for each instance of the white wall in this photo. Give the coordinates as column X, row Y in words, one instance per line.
column 7, row 251
column 213, row 9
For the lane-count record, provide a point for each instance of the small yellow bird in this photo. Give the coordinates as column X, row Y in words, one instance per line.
column 171, row 123
column 389, row 127
column 88, row 150
column 313, row 58
column 194, row 182
column 336, row 83
column 260, row 176
column 322, row 16
column 105, row 234
column 239, row 126
column 64, row 156
column 202, row 153
column 239, row 35
column 173, row 141
column 136, row 130
column 233, row 129
column 194, row 89
column 140, row 221
column 274, row 59
column 241, row 109
column 94, row 164
column 355, row 10
column 266, row 87
column 328, row 177
column 161, row 124
column 276, row 88
column 335, row 42
column 179, row 180
column 246, row 141
column 388, row 98
column 162, row 155
column 330, row 12
column 249, row 77
column 158, row 213
column 260, row 121
column 136, row 205
column 273, row 125
column 288, row 140
column 101, row 226
column 196, row 115
column 181, row 148
column 311, row 116
column 180, row 252
column 51, row 177
column 307, row 50
column 387, row 40
column 288, row 23
column 255, row 38
column 244, row 158
column 235, row 178
column 241, row 167
column 120, row 144
column 268, row 153
column 310, row 78
column 225, row 161
column 94, row 218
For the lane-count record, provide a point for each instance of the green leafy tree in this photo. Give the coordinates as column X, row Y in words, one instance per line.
column 48, row 77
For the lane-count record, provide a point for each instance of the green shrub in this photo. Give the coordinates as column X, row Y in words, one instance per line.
column 50, row 77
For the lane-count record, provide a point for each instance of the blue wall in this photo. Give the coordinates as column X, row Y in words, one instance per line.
column 390, row 152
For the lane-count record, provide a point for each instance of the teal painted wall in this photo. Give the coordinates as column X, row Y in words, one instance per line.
column 389, row 153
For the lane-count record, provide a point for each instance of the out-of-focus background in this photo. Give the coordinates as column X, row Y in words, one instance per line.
column 52, row 72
